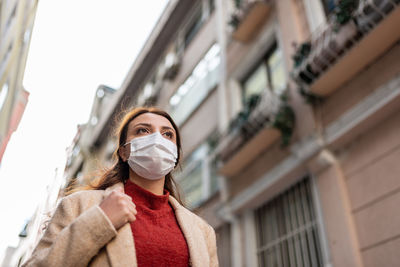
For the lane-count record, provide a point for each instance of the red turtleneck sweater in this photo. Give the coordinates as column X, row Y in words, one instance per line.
column 159, row 240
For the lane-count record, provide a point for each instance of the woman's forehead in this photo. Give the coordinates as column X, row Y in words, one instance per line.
column 152, row 119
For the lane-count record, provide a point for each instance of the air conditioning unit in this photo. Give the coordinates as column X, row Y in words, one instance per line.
column 149, row 94
column 172, row 64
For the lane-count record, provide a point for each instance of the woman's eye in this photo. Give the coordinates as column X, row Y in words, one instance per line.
column 141, row 130
column 169, row 134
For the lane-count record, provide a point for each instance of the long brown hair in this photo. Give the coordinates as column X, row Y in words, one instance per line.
column 119, row 172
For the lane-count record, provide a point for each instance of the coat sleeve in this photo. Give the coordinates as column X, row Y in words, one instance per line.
column 72, row 239
column 212, row 247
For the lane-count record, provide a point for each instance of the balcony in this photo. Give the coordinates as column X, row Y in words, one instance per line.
column 253, row 131
column 171, row 66
column 248, row 18
column 150, row 93
column 335, row 53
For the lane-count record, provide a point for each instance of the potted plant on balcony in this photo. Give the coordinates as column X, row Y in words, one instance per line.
column 321, row 52
column 254, row 130
column 171, row 66
column 371, row 12
column 239, row 122
column 344, row 10
column 247, row 18
column 302, row 52
column 284, row 121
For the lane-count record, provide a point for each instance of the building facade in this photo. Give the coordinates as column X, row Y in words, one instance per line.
column 16, row 23
column 289, row 117
column 81, row 161
column 34, row 228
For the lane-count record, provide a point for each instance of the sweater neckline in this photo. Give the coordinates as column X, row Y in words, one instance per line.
column 145, row 198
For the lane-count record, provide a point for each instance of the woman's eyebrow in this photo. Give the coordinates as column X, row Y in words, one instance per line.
column 143, row 124
column 151, row 126
column 167, row 128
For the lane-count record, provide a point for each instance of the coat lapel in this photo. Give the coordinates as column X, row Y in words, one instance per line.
column 121, row 250
column 194, row 237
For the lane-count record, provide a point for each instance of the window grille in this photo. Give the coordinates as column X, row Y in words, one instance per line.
column 287, row 230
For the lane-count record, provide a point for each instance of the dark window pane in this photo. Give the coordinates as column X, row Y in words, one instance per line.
column 193, row 29
column 286, row 233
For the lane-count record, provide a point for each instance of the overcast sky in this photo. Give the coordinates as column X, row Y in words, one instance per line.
column 76, row 46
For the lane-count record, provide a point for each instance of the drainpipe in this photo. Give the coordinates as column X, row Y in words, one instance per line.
column 222, row 87
column 236, row 237
column 223, row 118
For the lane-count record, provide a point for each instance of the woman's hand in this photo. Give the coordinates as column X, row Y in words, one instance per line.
column 119, row 208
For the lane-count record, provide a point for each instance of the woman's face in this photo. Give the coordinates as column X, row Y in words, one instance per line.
column 149, row 123
column 146, row 124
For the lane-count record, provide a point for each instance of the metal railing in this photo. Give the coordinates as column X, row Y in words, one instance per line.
column 288, row 231
column 240, row 9
column 237, row 135
column 331, row 41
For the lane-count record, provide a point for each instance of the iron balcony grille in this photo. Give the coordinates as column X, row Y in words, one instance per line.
column 287, row 230
column 245, row 126
column 248, row 17
column 331, row 42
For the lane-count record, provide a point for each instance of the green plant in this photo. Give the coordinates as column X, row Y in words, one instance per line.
column 301, row 53
column 243, row 115
column 284, row 121
column 213, row 140
column 344, row 12
column 234, row 21
column 238, row 3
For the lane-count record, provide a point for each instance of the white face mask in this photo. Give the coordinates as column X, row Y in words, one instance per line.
column 152, row 156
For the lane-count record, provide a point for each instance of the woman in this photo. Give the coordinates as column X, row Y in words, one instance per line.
column 134, row 216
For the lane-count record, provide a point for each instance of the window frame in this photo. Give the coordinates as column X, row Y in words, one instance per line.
column 205, row 162
column 316, row 222
column 261, row 61
column 193, row 27
column 210, row 89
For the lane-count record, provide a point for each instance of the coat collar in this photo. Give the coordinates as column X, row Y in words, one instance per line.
column 121, row 250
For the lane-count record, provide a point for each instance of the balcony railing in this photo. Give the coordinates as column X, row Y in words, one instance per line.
column 248, row 17
column 171, row 66
column 251, row 133
column 336, row 53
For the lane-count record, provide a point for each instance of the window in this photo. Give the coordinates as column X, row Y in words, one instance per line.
column 3, row 95
column 224, row 245
column 204, row 78
column 329, row 6
column 27, row 36
column 194, row 28
column 11, row 17
column 287, row 229
column 198, row 179
column 6, row 57
column 211, row 4
column 269, row 74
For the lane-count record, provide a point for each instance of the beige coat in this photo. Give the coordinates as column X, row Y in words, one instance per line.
column 80, row 234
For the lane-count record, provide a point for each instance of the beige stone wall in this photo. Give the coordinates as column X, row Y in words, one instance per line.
column 266, row 161
column 377, row 74
column 13, row 61
column 200, row 124
column 372, row 170
column 359, row 190
column 203, row 40
column 338, row 218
